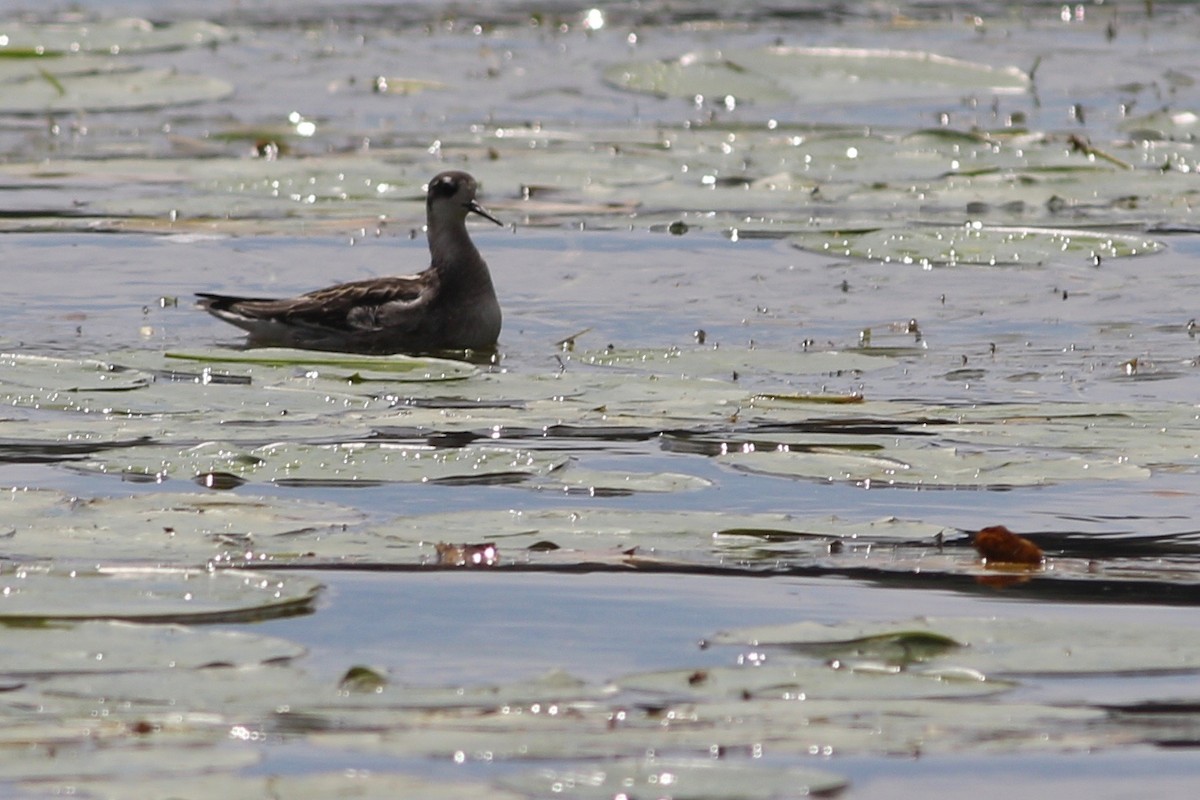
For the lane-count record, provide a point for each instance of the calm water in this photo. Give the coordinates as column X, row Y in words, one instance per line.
column 79, row 283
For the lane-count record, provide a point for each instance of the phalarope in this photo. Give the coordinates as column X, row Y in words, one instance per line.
column 450, row 306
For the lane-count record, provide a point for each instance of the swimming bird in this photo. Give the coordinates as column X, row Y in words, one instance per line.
column 451, row 305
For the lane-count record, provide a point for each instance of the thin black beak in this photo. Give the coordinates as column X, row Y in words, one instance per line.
column 475, row 208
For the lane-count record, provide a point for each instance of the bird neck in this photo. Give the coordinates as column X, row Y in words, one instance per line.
column 457, row 263
column 452, row 248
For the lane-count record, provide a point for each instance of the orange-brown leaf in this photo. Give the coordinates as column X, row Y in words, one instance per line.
column 997, row 544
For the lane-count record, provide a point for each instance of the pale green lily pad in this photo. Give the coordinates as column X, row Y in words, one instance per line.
column 113, row 646
column 167, row 528
column 108, row 36
column 338, row 366
column 779, row 74
column 83, row 761
column 634, row 724
column 996, row 646
column 679, row 780
column 975, row 245
column 723, row 363
column 163, row 528
column 210, row 698
column 34, row 593
column 368, row 785
column 592, row 528
column 597, row 535
column 554, row 688
column 1007, row 438
column 882, row 726
column 802, row 682
column 123, row 90
column 20, row 371
column 748, row 180
column 361, row 463
column 1180, row 124
column 908, row 464
column 609, row 483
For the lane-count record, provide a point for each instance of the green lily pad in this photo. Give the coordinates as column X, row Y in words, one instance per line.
column 908, row 464
column 108, row 36
column 779, row 74
column 34, row 593
column 975, row 245
column 677, row 779
column 20, row 371
column 360, row 463
column 338, row 366
column 166, row 528
column 112, row 646
column 998, row 646
column 803, row 682
column 81, row 761
column 119, row 90
column 310, row 786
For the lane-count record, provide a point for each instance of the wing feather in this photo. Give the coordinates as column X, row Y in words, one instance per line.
column 348, row 306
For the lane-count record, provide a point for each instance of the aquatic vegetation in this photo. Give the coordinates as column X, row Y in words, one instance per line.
column 799, row 305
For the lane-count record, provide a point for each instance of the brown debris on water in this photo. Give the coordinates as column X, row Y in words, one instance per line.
column 467, row 555
column 996, row 544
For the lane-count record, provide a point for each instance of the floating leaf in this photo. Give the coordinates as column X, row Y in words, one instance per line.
column 997, row 544
column 778, row 74
column 167, row 528
column 933, row 466
column 122, row 90
column 339, row 366
column 50, row 374
column 109, row 36
column 679, row 780
column 31, row 593
column 804, row 682
column 309, row 786
column 109, row 646
column 1003, row 646
column 350, row 464
column 974, row 244
column 82, row 760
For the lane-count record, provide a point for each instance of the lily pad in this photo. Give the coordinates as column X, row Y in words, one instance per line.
column 678, row 780
column 310, row 786
column 83, row 761
column 112, row 646
column 975, row 244
column 777, row 74
column 49, row 374
column 804, row 682
column 108, row 36
column 934, row 466
column 999, row 646
column 348, row 464
column 166, row 528
column 120, row 90
column 338, row 366
column 34, row 593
